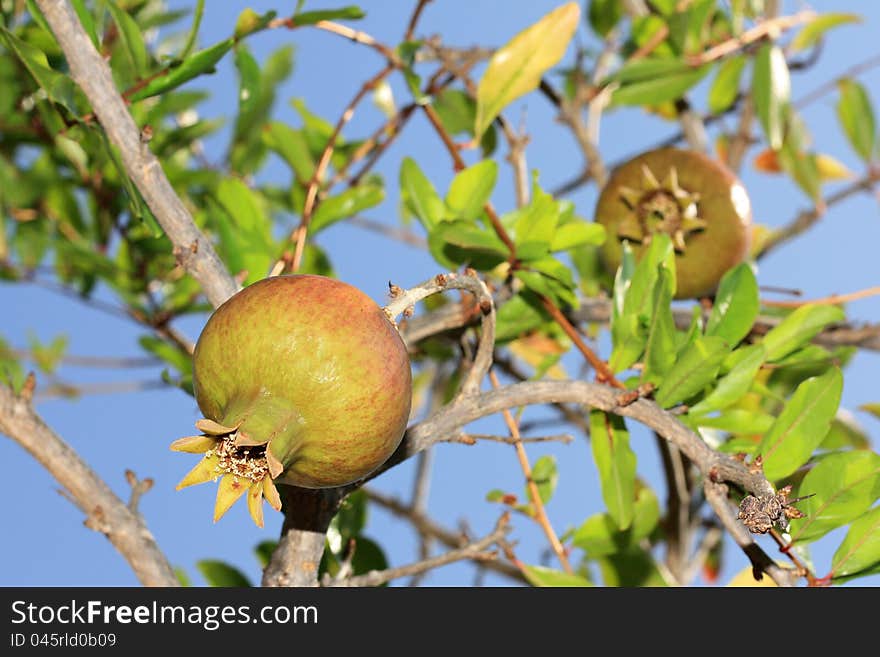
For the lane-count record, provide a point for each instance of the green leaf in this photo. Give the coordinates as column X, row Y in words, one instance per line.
column 250, row 97
column 660, row 345
column 198, row 64
column 131, row 37
column 419, row 195
column 873, row 408
column 346, row 204
column 860, row 549
column 11, row 372
column 801, row 425
column 535, row 225
column 218, row 573
column 169, row 353
column 725, row 86
column 471, row 189
column 545, row 476
column 856, row 116
column 264, row 550
column 628, row 331
column 577, row 233
column 736, row 383
column 599, row 535
column 771, row 90
column 516, row 68
column 461, row 242
column 736, row 421
column 604, row 15
column 543, row 576
column 845, row 433
column 86, row 19
column 736, row 305
column 616, row 463
column 548, row 286
column 368, row 555
column 815, row 29
column 182, row 577
column 516, row 317
column 249, row 22
column 799, row 328
column 291, row 145
column 198, row 14
column 844, row 486
column 655, row 81
column 458, row 112
column 58, row 87
column 351, row 518
column 350, row 13
column 639, row 296
column 800, row 165
column 694, row 370
column 245, row 229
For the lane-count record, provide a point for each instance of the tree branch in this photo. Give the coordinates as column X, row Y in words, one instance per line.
column 92, row 73
column 716, row 495
column 405, row 299
column 473, row 551
column 105, row 511
column 427, row 527
column 307, row 515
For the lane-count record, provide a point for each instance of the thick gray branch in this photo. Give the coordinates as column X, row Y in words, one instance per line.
column 451, row 418
column 92, row 73
column 105, row 512
column 307, row 515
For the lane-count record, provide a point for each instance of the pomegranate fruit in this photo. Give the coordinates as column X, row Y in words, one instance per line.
column 694, row 199
column 302, row 380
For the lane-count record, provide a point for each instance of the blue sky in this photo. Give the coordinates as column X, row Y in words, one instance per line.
column 46, row 543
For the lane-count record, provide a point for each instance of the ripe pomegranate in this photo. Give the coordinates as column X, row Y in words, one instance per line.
column 303, row 380
column 696, row 200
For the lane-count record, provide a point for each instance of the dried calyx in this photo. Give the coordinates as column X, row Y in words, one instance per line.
column 660, row 208
column 761, row 514
column 239, row 464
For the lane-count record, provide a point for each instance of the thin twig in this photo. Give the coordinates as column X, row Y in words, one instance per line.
column 299, row 234
column 414, row 19
column 771, row 27
column 534, row 494
column 405, row 299
column 831, row 300
column 473, row 438
column 427, row 527
column 831, row 85
column 807, row 218
column 102, row 362
column 474, row 551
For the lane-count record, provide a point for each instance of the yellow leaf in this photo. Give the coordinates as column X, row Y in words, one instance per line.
column 747, row 579
column 831, row 169
column 760, row 235
column 516, row 68
column 534, row 349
